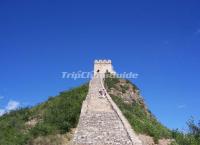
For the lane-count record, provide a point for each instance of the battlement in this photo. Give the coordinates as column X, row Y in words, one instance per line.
column 103, row 61
column 102, row 66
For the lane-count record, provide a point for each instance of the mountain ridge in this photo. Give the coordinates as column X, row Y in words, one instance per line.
column 52, row 122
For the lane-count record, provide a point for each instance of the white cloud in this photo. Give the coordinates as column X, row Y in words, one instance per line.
column 2, row 111
column 12, row 105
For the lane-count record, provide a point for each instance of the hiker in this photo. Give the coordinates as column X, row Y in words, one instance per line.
column 104, row 92
column 100, row 92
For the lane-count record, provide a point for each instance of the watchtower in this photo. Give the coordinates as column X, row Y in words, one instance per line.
column 102, row 66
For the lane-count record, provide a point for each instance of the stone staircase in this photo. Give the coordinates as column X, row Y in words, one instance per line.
column 101, row 122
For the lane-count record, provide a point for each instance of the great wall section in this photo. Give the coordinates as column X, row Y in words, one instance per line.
column 101, row 121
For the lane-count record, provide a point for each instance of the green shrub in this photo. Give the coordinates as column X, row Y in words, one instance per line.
column 12, row 127
column 57, row 115
column 140, row 121
column 190, row 138
column 137, row 116
column 42, row 129
column 110, row 80
column 124, row 88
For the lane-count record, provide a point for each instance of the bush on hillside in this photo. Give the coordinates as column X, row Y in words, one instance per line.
column 140, row 121
column 137, row 116
column 190, row 138
column 57, row 115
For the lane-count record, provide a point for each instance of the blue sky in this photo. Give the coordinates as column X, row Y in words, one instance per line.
column 159, row 40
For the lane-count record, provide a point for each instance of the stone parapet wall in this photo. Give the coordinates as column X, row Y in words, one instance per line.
column 101, row 122
column 135, row 140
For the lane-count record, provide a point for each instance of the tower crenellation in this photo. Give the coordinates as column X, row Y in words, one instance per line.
column 103, row 61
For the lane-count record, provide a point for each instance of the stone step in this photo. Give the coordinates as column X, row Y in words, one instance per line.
column 99, row 122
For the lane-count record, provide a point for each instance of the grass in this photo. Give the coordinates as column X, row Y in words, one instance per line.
column 143, row 123
column 59, row 114
column 136, row 114
column 192, row 137
column 56, row 116
column 110, row 83
column 140, row 121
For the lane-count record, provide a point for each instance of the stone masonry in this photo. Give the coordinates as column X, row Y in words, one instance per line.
column 101, row 122
column 101, row 66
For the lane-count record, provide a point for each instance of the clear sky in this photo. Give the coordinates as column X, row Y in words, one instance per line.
column 158, row 39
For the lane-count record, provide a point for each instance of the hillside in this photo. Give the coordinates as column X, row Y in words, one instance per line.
column 46, row 123
column 54, row 121
column 127, row 97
